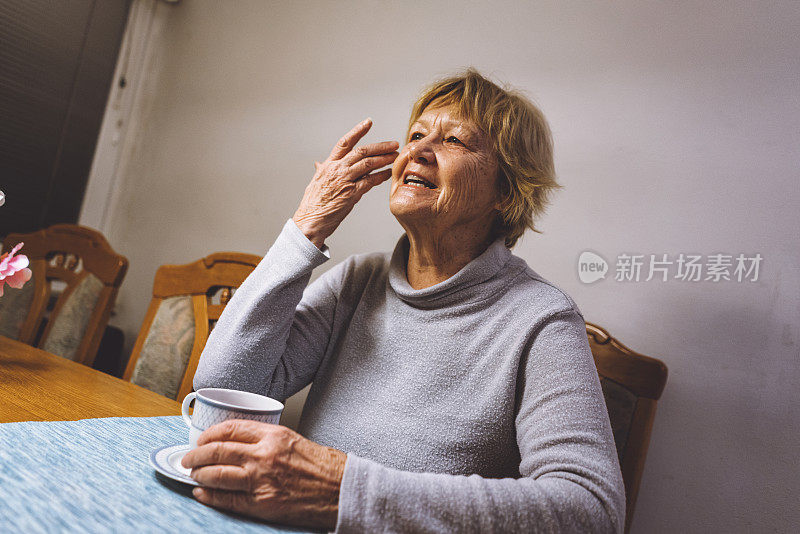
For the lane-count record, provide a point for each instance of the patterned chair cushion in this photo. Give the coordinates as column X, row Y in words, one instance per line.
column 69, row 326
column 167, row 347
column 14, row 307
column 621, row 403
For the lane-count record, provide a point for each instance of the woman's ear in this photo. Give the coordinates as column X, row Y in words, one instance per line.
column 499, row 199
column 501, row 191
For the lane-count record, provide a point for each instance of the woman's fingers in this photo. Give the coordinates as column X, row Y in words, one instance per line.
column 371, row 180
column 367, row 165
column 374, row 149
column 346, row 150
column 226, row 477
column 242, row 430
column 218, row 452
column 349, row 140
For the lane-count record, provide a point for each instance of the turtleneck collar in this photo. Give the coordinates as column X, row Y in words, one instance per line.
column 462, row 286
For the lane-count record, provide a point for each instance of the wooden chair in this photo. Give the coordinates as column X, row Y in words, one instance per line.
column 632, row 384
column 75, row 266
column 187, row 301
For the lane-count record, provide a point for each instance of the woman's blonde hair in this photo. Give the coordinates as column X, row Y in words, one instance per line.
column 520, row 137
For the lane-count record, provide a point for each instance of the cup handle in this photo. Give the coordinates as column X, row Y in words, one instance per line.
column 185, row 407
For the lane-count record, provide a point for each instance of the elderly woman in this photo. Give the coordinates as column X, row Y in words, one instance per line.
column 453, row 388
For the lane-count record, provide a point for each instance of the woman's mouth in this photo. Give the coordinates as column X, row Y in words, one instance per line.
column 417, row 181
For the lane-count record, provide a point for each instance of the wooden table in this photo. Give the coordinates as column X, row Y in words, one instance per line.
column 38, row 386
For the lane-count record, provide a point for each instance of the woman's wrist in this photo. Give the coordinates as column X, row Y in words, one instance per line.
column 326, row 465
column 310, row 230
column 335, row 474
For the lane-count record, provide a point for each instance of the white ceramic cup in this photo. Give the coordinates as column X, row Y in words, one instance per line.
column 214, row 405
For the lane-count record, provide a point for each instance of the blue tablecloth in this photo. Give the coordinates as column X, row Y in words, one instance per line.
column 94, row 475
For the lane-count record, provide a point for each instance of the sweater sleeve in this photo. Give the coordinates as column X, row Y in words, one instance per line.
column 273, row 333
column 570, row 476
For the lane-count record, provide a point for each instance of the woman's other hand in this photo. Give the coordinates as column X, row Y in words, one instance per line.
column 269, row 472
column 341, row 180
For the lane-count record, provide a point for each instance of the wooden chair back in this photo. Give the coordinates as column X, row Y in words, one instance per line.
column 639, row 380
column 210, row 283
column 69, row 253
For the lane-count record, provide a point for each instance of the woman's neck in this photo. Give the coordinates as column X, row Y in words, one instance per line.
column 435, row 257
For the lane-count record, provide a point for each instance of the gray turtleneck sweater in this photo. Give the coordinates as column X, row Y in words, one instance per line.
column 470, row 406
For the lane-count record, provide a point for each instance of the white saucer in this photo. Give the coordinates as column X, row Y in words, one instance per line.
column 167, row 461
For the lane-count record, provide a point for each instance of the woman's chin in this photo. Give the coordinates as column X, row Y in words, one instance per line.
column 403, row 210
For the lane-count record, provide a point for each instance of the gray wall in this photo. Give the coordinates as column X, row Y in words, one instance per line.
column 676, row 128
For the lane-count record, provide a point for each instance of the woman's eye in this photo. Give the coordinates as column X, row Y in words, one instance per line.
column 454, row 139
column 415, row 136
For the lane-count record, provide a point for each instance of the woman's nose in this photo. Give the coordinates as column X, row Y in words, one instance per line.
column 421, row 152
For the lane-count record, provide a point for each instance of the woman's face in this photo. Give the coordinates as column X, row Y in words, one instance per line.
column 447, row 173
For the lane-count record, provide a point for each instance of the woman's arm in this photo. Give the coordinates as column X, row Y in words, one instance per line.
column 274, row 330
column 571, row 480
column 267, row 339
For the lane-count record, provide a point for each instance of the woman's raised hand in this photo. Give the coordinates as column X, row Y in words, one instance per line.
column 341, row 180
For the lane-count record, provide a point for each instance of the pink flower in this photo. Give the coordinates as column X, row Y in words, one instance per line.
column 14, row 269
